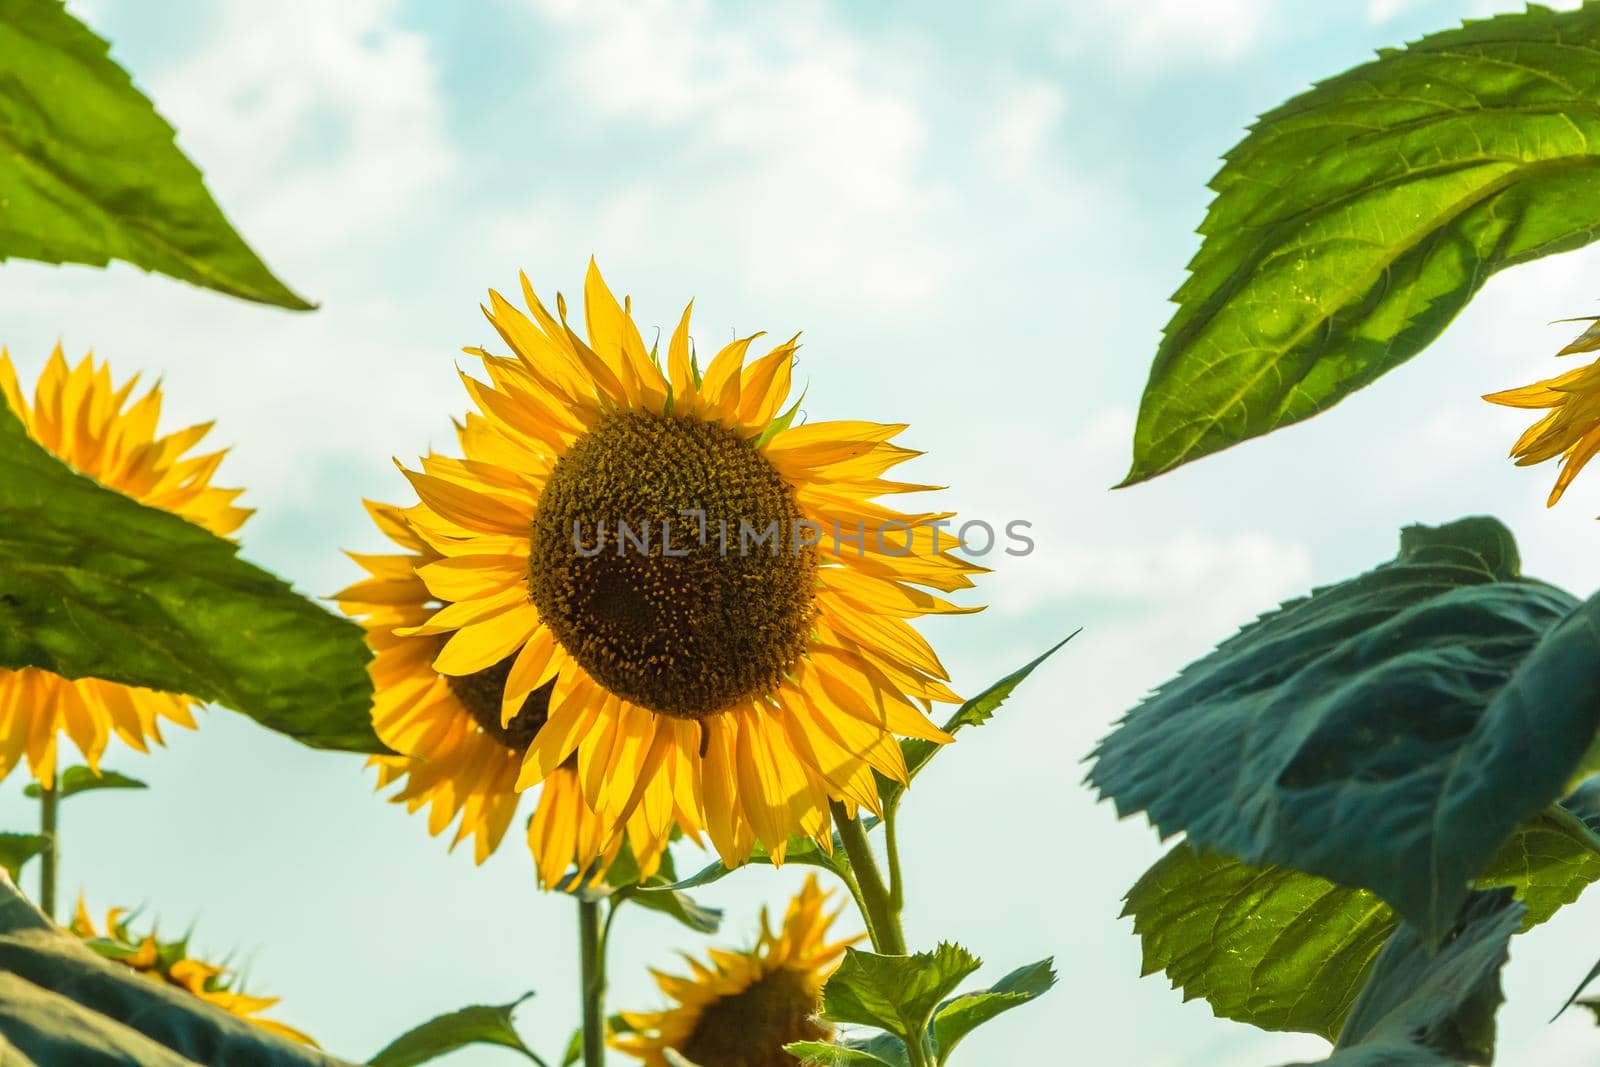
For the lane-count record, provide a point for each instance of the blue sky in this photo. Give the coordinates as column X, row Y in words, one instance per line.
column 976, row 215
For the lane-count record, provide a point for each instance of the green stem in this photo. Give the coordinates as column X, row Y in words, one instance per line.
column 877, row 905
column 591, row 947
column 897, row 887
column 50, row 858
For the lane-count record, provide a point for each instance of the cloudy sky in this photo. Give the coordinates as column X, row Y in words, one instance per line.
column 976, row 219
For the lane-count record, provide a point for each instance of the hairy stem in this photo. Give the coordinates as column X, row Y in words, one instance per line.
column 877, row 906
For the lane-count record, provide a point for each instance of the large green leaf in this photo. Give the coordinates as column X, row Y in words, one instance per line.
column 89, row 172
column 477, row 1024
column 61, row 1004
column 1356, row 220
column 1423, row 1008
column 897, row 994
column 1285, row 950
column 92, row 583
column 1388, row 732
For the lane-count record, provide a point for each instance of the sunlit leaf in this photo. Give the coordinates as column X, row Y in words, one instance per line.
column 92, row 583
column 89, row 172
column 1355, row 221
column 897, row 994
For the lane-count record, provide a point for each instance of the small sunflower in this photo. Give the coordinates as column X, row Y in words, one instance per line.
column 169, row 962
column 644, row 541
column 1571, row 429
column 741, row 1008
column 88, row 423
column 459, row 760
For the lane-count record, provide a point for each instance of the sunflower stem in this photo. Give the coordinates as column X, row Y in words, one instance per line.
column 50, row 858
column 891, row 839
column 878, row 908
column 591, row 948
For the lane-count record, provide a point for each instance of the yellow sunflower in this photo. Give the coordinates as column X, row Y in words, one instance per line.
column 720, row 606
column 1571, row 429
column 741, row 1008
column 459, row 760
column 169, row 962
column 90, row 424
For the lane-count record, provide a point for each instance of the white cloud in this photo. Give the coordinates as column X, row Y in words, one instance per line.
column 1168, row 33
column 809, row 147
column 1027, row 123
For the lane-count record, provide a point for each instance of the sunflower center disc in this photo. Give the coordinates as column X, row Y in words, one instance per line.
column 481, row 693
column 749, row 1029
column 647, row 565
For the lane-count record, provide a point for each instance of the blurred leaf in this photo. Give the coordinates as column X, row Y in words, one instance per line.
column 958, row 1017
column 61, row 1004
column 897, row 994
column 477, row 1024
column 1330, row 736
column 975, row 712
column 16, row 850
column 89, row 172
column 1284, row 950
column 93, row 583
column 574, row 1051
column 823, row 1054
column 78, row 779
column 1422, row 1007
column 1356, row 220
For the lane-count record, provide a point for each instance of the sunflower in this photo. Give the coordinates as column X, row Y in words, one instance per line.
column 716, row 600
column 90, row 424
column 741, row 1008
column 1571, row 429
column 459, row 760
column 169, row 962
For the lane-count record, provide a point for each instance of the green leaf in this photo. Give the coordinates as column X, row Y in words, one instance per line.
column 895, row 993
column 17, row 849
column 89, row 172
column 1424, row 1007
column 661, row 892
column 574, row 1051
column 975, row 712
column 1377, row 732
column 60, row 1003
column 92, row 583
column 477, row 1024
column 823, row 1054
column 961, row 1015
column 802, row 852
column 1355, row 221
column 79, row 779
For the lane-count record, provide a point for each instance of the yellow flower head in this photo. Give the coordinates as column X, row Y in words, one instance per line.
column 740, row 1008
column 716, row 600
column 459, row 759
column 88, row 423
column 169, row 962
column 1571, row 429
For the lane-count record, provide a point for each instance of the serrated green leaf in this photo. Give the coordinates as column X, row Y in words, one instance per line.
column 60, row 1004
column 897, row 994
column 1330, row 736
column 80, row 779
column 960, row 1015
column 17, row 849
column 1356, row 220
column 477, row 1024
column 93, row 583
column 1284, row 950
column 1426, row 1008
column 89, row 172
column 975, row 712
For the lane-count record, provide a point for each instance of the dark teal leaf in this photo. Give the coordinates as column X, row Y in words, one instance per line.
column 477, row 1024
column 61, row 1004
column 1356, row 220
column 79, row 779
column 975, row 712
column 959, row 1016
column 17, row 849
column 89, row 172
column 92, row 583
column 1424, row 1007
column 1388, row 732
column 897, row 994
